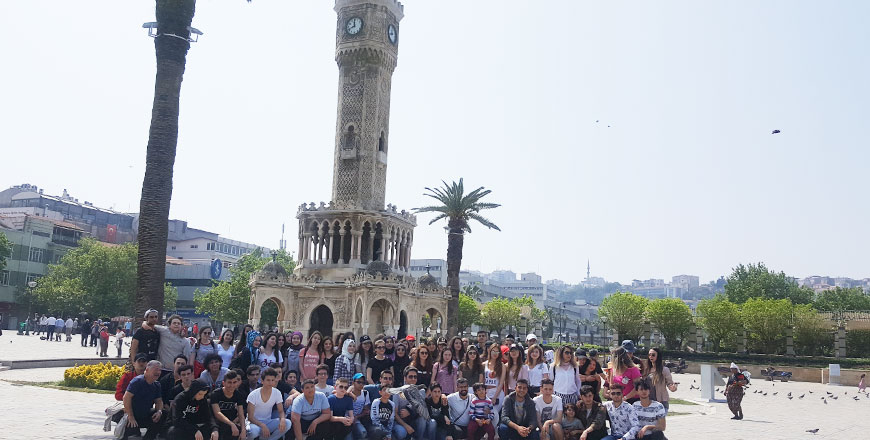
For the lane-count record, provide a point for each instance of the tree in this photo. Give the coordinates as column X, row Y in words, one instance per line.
column 5, row 250
column 812, row 333
column 720, row 318
column 468, row 311
column 673, row 318
column 229, row 300
column 474, row 291
column 170, row 297
column 459, row 209
column 766, row 320
column 624, row 313
column 756, row 281
column 93, row 278
column 498, row 314
column 840, row 299
column 535, row 315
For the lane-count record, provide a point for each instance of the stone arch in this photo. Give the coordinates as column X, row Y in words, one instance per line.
column 358, row 313
column 257, row 303
column 321, row 319
column 403, row 325
column 381, row 316
column 347, row 244
column 437, row 318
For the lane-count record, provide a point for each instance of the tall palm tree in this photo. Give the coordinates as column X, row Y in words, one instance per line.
column 459, row 209
column 170, row 45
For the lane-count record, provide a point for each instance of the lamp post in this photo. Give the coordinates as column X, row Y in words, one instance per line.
column 561, row 320
column 30, row 286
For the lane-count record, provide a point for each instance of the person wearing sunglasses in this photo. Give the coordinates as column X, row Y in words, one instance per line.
column 341, row 404
column 623, row 419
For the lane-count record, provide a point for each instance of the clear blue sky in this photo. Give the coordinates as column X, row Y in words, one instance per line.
column 687, row 178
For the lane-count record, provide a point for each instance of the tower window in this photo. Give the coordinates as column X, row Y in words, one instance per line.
column 381, row 143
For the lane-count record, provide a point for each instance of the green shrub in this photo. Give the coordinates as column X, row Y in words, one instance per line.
column 858, row 343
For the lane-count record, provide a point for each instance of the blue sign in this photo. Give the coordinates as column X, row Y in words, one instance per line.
column 216, row 268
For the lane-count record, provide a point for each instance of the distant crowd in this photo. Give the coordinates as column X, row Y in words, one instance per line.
column 276, row 385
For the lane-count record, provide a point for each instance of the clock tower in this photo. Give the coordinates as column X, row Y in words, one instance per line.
column 367, row 41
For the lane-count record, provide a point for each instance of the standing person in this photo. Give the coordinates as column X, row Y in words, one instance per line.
column 85, row 331
column 549, row 409
column 43, row 321
column 471, row 368
column 227, row 405
column 651, row 415
column 363, row 354
column 341, row 407
column 538, row 369
column 204, row 346
column 401, row 358
column 446, row 371
column 494, row 377
column 68, row 326
column 226, row 350
column 482, row 338
column 309, row 357
column 565, row 376
column 261, row 423
column 439, row 424
column 214, row 373
column 383, row 416
column 293, row 349
column 119, row 340
column 459, row 404
column 250, row 353
column 861, row 385
column 588, row 367
column 623, row 419
column 734, row 391
column 146, row 339
column 104, row 341
column 390, row 351
column 660, row 378
column 592, row 415
column 172, row 343
column 423, row 362
column 192, row 417
column 58, row 328
column 143, row 404
column 456, row 348
column 519, row 419
column 49, row 327
column 344, row 366
column 283, row 345
column 329, row 358
column 95, row 332
column 269, row 353
column 243, row 339
column 516, row 368
column 624, row 373
column 309, row 413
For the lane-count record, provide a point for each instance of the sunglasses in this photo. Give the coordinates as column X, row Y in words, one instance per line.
column 341, row 387
column 424, row 352
column 380, row 347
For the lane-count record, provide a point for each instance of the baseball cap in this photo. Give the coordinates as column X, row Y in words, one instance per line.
column 628, row 345
column 140, row 357
column 531, row 336
column 410, row 338
column 357, row 376
column 364, row 339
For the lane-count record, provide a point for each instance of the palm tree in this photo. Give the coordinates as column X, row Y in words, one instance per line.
column 474, row 291
column 459, row 209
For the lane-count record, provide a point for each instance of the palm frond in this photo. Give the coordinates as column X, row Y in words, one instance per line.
column 439, row 217
column 433, row 208
column 483, row 220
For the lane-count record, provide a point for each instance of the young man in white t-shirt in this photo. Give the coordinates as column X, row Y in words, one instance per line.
column 260, row 403
column 549, row 408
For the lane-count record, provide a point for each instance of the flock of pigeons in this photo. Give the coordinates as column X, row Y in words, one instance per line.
column 828, row 395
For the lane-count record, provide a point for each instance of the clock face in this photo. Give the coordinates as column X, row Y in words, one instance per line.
column 392, row 34
column 354, row 25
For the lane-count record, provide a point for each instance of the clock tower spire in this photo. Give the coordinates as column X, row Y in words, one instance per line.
column 367, row 41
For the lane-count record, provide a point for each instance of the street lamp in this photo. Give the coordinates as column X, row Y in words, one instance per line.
column 30, row 286
column 561, row 320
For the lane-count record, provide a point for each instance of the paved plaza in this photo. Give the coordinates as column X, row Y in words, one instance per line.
column 20, row 347
column 29, row 410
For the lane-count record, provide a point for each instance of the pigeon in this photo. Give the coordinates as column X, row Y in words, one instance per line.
column 596, row 121
column 856, row 398
column 764, row 394
column 789, row 394
column 824, row 400
column 834, row 397
column 790, row 397
column 811, row 392
column 776, row 393
column 813, row 431
column 829, row 393
column 802, row 396
column 775, row 132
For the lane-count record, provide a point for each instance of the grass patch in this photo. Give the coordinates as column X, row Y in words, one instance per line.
column 58, row 385
column 681, row 402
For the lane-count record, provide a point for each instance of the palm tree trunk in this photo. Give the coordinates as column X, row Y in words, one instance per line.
column 173, row 19
column 455, row 241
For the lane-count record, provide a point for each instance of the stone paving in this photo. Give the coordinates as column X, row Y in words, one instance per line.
column 77, row 415
column 20, row 347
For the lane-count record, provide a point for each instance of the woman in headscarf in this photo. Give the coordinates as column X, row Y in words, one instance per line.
column 291, row 361
column 402, row 360
column 251, row 353
column 191, row 413
column 344, row 366
column 734, row 391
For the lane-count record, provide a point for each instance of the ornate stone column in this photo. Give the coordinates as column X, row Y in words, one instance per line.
column 356, row 244
column 344, row 236
column 329, row 247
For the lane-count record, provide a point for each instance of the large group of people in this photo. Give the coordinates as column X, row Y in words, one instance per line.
column 278, row 385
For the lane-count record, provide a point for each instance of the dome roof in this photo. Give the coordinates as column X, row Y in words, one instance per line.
column 378, row 267
column 428, row 281
column 274, row 269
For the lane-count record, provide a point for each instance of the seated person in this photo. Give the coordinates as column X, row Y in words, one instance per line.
column 228, row 404
column 549, row 409
column 572, row 427
column 623, row 419
column 143, row 403
column 408, row 422
column 459, row 403
column 138, row 370
column 383, row 415
column 251, row 381
column 341, row 406
column 169, row 381
column 185, row 372
column 386, row 378
column 291, row 378
column 261, row 424
column 650, row 414
column 482, row 417
column 214, row 371
column 192, row 418
column 439, row 424
column 309, row 413
column 322, row 375
column 519, row 418
column 591, row 414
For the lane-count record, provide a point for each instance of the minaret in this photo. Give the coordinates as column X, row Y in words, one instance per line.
column 587, row 269
column 367, row 41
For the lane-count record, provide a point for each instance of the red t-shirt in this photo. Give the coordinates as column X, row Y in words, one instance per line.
column 626, row 380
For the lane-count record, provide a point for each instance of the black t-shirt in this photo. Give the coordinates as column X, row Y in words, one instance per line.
column 437, row 411
column 377, row 366
column 149, row 341
column 166, row 385
column 192, row 411
column 173, row 393
column 284, row 388
column 385, row 410
column 227, row 405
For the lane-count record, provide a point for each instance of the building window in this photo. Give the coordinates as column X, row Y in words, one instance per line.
column 173, row 248
column 31, row 277
column 209, row 246
column 36, row 255
column 4, row 278
column 194, row 246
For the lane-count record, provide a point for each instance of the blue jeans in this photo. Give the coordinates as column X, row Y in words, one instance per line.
column 357, row 431
column 506, row 433
column 272, row 424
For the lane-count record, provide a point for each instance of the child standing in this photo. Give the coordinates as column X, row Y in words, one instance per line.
column 481, row 415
